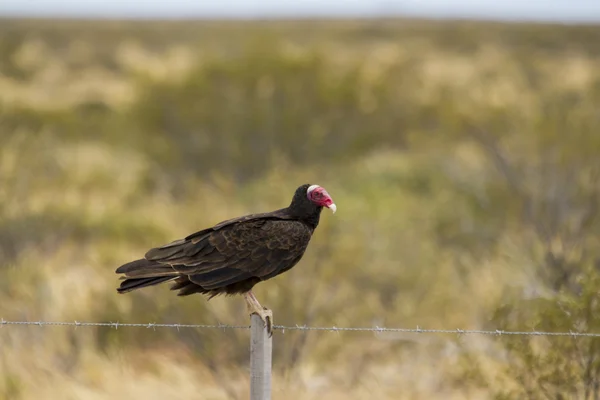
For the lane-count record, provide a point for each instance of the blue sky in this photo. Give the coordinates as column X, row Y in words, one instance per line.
column 542, row 10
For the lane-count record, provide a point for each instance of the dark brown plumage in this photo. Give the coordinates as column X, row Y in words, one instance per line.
column 234, row 255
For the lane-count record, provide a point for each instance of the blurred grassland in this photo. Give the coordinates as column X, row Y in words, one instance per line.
column 464, row 159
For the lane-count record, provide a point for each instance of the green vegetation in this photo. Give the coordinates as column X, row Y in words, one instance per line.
column 464, row 159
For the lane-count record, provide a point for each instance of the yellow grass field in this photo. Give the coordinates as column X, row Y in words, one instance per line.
column 464, row 158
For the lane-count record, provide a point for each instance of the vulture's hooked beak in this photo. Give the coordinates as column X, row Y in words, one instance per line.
column 332, row 207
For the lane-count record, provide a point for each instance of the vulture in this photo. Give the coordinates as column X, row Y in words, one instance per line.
column 234, row 255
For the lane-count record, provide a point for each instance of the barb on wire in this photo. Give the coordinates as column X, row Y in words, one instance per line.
column 375, row 329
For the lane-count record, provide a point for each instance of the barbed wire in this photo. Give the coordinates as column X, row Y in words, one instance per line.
column 283, row 328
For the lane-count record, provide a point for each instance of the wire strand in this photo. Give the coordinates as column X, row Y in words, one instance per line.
column 283, row 328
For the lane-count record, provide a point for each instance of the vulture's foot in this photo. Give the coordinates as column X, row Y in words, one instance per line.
column 264, row 313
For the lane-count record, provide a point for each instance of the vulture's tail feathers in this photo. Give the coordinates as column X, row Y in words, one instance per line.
column 137, row 283
column 143, row 273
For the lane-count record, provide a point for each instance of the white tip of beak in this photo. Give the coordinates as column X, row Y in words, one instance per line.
column 332, row 207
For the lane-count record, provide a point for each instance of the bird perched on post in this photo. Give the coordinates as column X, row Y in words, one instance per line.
column 234, row 255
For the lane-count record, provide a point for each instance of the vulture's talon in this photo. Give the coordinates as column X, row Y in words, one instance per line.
column 254, row 307
column 267, row 318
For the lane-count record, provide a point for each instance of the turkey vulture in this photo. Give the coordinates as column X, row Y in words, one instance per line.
column 234, row 255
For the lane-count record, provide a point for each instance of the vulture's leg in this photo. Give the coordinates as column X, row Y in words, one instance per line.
column 264, row 313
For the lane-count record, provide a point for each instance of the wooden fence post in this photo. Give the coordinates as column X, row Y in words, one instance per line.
column 261, row 346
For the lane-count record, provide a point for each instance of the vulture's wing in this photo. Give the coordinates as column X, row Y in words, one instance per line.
column 236, row 251
column 279, row 214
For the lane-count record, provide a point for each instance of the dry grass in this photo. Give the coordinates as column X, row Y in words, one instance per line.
column 429, row 232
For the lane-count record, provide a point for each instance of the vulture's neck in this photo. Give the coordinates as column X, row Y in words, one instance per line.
column 306, row 212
